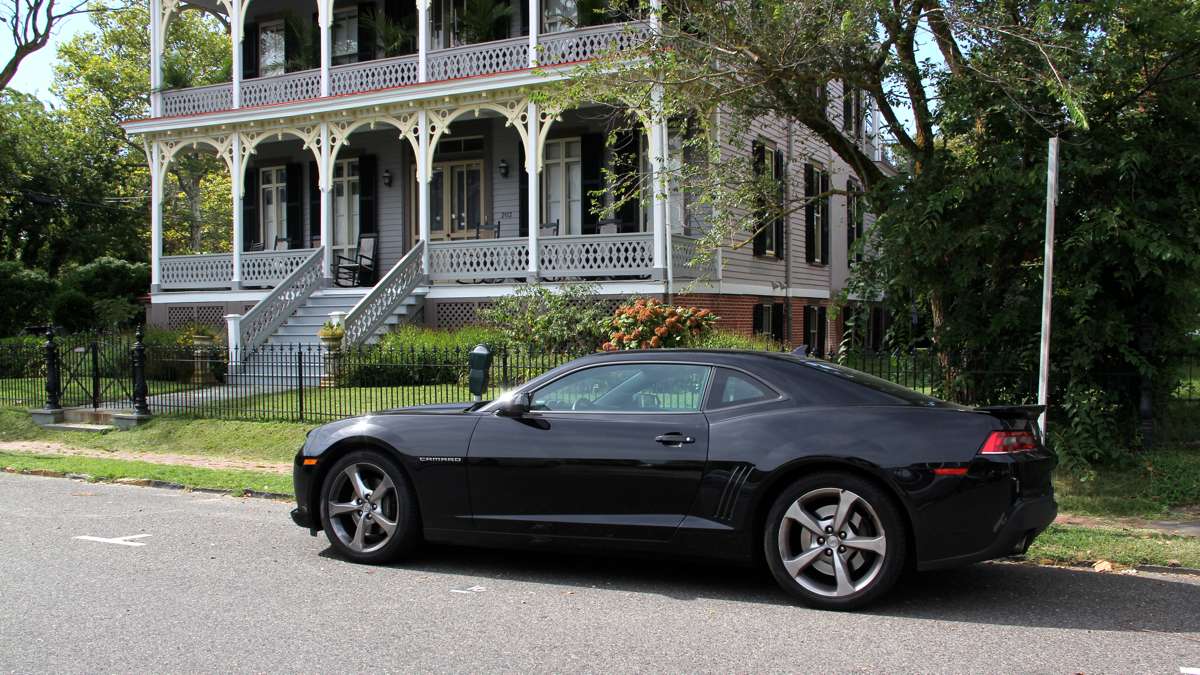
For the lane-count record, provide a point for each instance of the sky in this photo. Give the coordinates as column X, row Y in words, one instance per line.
column 37, row 70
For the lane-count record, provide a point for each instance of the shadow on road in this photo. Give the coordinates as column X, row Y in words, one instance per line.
column 991, row 594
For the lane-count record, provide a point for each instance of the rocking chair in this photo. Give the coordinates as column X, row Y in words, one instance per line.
column 361, row 269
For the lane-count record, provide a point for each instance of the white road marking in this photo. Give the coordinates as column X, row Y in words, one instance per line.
column 120, row 541
column 473, row 589
column 1189, row 671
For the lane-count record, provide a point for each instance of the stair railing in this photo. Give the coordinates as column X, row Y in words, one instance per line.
column 375, row 307
column 264, row 318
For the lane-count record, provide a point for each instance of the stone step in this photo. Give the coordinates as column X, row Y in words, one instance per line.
column 80, row 426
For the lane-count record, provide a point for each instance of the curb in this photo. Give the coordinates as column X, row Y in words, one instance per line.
column 1161, row 569
column 1087, row 566
column 148, row 482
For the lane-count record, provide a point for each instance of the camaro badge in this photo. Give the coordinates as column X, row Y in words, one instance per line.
column 440, row 459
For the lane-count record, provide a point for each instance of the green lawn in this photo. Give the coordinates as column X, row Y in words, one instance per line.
column 1148, row 486
column 31, row 391
column 320, row 404
column 1074, row 545
column 113, row 469
column 261, row 441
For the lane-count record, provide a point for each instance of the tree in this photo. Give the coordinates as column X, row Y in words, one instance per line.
column 31, row 23
column 103, row 78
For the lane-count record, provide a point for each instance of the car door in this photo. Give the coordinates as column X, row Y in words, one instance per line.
column 612, row 451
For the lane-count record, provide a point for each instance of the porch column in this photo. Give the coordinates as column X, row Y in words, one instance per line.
column 235, row 179
column 535, row 200
column 324, row 18
column 156, row 57
column 423, row 44
column 236, row 37
column 156, row 192
column 664, row 139
column 535, row 25
column 658, row 210
column 423, row 162
column 325, row 182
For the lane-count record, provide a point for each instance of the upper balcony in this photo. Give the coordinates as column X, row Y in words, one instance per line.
column 283, row 54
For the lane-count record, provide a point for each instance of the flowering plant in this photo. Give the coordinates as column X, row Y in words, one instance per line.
column 650, row 324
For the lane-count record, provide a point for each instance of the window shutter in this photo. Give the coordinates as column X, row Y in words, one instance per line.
column 757, row 327
column 524, row 17
column 810, row 325
column 314, row 205
column 368, row 191
column 822, row 317
column 810, row 226
column 850, row 232
column 824, row 218
column 366, row 31
column 295, row 214
column 403, row 13
column 251, row 226
column 522, row 192
column 626, row 166
column 760, row 166
column 781, row 176
column 291, row 46
column 777, row 322
column 314, row 49
column 591, row 159
column 847, row 107
column 250, row 51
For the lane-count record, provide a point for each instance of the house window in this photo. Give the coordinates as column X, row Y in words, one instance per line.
column 769, row 321
column 816, row 215
column 815, row 318
column 344, row 36
column 272, row 206
column 854, row 112
column 562, row 185
column 769, row 163
column 559, row 15
column 345, row 207
column 854, row 219
column 272, row 58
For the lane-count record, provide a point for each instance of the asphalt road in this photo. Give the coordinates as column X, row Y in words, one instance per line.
column 231, row 585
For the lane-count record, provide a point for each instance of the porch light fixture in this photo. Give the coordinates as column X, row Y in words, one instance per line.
column 387, row 178
column 504, row 168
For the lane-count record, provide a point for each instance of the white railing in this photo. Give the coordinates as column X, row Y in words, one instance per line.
column 215, row 270
column 372, row 75
column 196, row 100
column 481, row 59
column 298, row 86
column 588, row 43
column 597, row 255
column 479, row 259
column 263, row 318
column 684, row 250
column 375, row 307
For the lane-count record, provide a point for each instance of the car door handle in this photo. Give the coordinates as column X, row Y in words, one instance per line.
column 674, row 439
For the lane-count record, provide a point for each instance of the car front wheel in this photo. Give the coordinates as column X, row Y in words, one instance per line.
column 835, row 541
column 368, row 509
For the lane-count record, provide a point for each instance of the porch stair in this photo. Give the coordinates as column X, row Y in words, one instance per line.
column 301, row 328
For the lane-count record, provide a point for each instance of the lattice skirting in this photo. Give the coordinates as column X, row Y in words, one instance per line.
column 177, row 316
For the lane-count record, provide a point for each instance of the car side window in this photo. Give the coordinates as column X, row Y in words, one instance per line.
column 733, row 388
column 633, row 387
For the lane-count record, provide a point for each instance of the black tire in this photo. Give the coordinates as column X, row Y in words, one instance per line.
column 397, row 505
column 858, row 576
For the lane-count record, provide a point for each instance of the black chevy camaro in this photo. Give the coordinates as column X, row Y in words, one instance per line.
column 838, row 480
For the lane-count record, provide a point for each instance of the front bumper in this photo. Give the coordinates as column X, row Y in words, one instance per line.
column 1024, row 521
column 303, row 481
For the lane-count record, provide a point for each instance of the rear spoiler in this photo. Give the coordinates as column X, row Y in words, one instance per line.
column 1012, row 412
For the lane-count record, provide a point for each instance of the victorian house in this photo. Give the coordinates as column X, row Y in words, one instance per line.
column 389, row 164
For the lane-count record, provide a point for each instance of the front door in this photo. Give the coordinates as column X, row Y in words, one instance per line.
column 345, row 208
column 456, row 203
column 612, row 451
column 272, row 205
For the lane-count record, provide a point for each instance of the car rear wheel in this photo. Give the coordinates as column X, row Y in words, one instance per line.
column 835, row 541
column 368, row 509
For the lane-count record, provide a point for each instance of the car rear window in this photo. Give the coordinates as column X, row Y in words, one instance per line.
column 853, row 386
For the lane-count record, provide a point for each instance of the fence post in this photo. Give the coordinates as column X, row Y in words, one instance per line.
column 140, row 390
column 53, row 373
column 300, row 380
column 95, row 373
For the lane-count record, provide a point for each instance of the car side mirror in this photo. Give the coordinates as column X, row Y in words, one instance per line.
column 516, row 406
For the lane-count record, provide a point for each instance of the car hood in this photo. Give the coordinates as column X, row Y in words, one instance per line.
column 432, row 409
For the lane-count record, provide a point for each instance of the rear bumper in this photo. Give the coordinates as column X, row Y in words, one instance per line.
column 1017, row 529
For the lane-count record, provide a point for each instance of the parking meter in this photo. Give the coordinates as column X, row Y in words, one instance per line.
column 480, row 362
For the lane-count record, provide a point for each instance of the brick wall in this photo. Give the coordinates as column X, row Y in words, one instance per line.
column 737, row 314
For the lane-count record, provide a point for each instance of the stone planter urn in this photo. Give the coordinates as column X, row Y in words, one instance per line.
column 201, row 366
column 333, row 360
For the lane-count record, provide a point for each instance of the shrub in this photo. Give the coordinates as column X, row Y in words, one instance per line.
column 1090, row 432
column 723, row 339
column 107, row 277
column 414, row 355
column 73, row 311
column 572, row 319
column 116, row 313
column 23, row 297
column 648, row 323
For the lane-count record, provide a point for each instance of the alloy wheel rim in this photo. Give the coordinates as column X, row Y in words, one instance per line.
column 363, row 508
column 832, row 542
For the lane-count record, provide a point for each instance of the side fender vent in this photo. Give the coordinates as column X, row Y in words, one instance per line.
column 727, row 505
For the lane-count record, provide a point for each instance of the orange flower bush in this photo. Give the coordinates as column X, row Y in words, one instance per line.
column 650, row 324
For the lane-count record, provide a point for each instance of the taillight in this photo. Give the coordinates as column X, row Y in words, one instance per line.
column 1008, row 442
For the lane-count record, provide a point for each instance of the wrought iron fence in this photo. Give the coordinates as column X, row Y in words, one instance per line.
column 22, row 375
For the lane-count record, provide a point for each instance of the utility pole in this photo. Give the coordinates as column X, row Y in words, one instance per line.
column 1048, row 280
